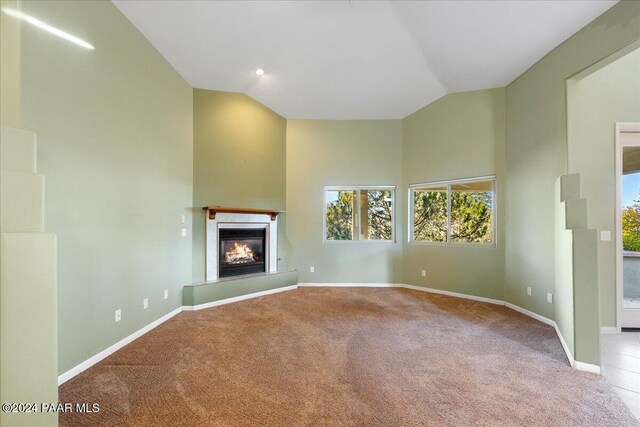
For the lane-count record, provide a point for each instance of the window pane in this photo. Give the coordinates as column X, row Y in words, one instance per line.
column 471, row 212
column 375, row 213
column 430, row 214
column 340, row 213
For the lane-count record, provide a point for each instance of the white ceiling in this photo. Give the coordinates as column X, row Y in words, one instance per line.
column 355, row 59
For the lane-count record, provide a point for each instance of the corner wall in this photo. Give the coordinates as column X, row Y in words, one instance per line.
column 239, row 160
column 595, row 104
column 536, row 151
column 324, row 152
column 114, row 131
column 458, row 136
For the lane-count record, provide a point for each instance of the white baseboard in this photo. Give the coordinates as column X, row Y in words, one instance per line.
column 608, row 330
column 351, row 285
column 549, row 322
column 587, row 367
column 402, row 285
column 454, row 294
column 238, row 298
column 62, row 378
column 565, row 347
column 530, row 314
column 578, row 365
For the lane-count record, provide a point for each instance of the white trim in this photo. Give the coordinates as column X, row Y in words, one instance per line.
column 62, row 378
column 565, row 347
column 357, row 214
column 619, row 128
column 449, row 197
column 587, row 367
column 359, row 187
column 549, row 322
column 448, row 184
column 411, row 210
column 66, row 376
column 403, row 285
column 350, row 285
column 530, row 314
column 454, row 181
column 609, row 330
column 454, row 294
column 578, row 365
column 229, row 220
column 238, row 298
column 618, row 227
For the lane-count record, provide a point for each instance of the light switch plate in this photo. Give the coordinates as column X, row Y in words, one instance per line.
column 118, row 315
column 166, row 294
column 184, row 219
column 312, row 269
column 184, row 232
column 145, row 303
column 424, row 273
column 605, row 236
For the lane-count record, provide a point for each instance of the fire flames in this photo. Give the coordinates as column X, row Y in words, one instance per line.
column 240, row 253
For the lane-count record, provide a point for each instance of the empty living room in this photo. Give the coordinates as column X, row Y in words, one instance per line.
column 319, row 213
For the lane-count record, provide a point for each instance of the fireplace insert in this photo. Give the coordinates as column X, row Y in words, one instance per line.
column 242, row 251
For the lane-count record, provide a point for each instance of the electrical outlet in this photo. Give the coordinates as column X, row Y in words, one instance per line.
column 118, row 315
column 605, row 236
column 529, row 291
column 166, row 294
column 184, row 232
column 424, row 273
column 550, row 298
column 145, row 303
column 312, row 269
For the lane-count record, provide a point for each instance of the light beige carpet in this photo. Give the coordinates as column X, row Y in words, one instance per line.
column 345, row 357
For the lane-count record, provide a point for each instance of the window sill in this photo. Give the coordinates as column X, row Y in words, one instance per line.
column 455, row 245
column 333, row 242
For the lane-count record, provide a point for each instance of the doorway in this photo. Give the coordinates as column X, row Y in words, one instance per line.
column 628, row 225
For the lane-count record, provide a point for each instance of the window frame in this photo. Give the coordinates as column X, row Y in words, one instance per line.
column 356, row 228
column 448, row 184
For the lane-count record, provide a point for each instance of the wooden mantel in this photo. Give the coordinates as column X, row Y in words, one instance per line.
column 213, row 210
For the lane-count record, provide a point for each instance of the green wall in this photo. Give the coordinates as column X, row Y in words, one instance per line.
column 239, row 159
column 536, row 151
column 114, row 129
column 459, row 136
column 595, row 104
column 10, row 67
column 204, row 293
column 128, row 148
column 320, row 153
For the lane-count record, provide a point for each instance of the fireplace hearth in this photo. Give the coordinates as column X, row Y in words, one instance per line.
column 242, row 251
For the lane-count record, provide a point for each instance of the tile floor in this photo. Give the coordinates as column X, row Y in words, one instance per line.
column 620, row 363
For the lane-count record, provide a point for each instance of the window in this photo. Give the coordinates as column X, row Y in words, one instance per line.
column 461, row 211
column 359, row 213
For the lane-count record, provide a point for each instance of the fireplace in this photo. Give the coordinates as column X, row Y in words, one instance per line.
column 242, row 251
column 255, row 228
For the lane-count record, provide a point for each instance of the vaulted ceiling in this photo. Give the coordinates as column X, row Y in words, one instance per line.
column 355, row 59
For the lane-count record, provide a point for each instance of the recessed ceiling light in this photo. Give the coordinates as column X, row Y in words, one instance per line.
column 43, row 25
column 259, row 72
